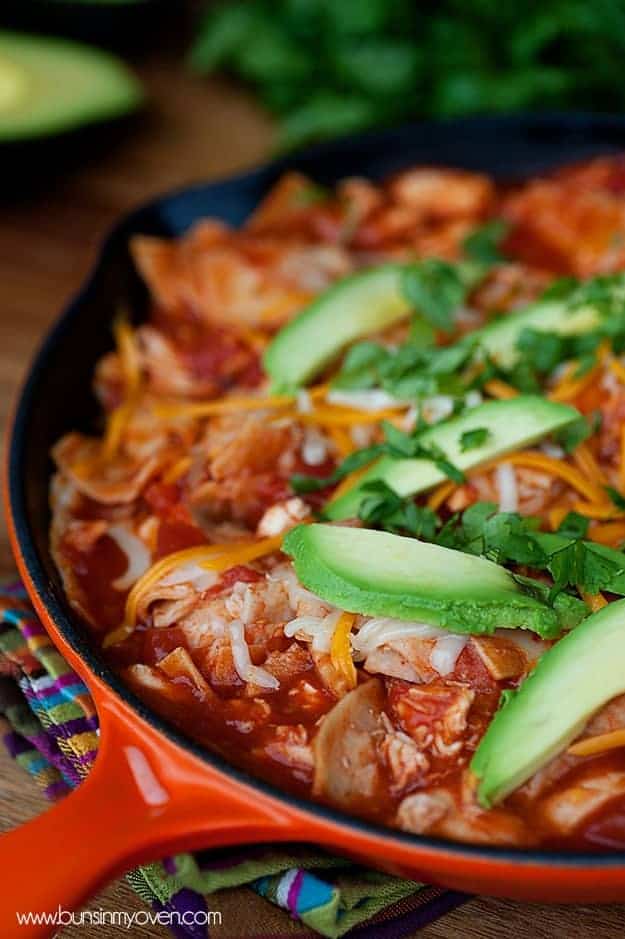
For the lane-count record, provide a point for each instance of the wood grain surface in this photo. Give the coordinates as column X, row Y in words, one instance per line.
column 193, row 129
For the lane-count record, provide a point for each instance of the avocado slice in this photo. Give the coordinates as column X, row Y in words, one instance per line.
column 512, row 423
column 357, row 306
column 48, row 86
column 499, row 339
column 380, row 574
column 581, row 673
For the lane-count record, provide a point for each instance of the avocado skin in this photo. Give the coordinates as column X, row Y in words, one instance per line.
column 492, row 599
column 66, row 86
column 571, row 682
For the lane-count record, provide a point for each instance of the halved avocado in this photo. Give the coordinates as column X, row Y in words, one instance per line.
column 357, row 306
column 581, row 673
column 512, row 424
column 49, row 86
column 379, row 574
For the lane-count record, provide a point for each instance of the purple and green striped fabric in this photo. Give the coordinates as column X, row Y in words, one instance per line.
column 53, row 734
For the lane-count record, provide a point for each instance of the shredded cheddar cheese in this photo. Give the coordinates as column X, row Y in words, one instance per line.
column 330, row 416
column 596, row 601
column 568, row 388
column 440, row 495
column 222, row 406
column 602, row 511
column 556, row 516
column 562, row 470
column 500, row 389
column 617, row 368
column 350, row 481
column 342, row 441
column 608, row 533
column 585, row 461
column 341, row 651
column 131, row 371
column 178, row 469
column 214, row 557
column 599, row 744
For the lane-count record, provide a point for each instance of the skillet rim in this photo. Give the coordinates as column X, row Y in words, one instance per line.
column 69, row 626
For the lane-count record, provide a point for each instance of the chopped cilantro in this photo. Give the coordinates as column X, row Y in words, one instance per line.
column 615, row 497
column 300, row 483
column 574, row 525
column 570, row 436
column 436, row 290
column 482, row 244
column 382, row 506
column 471, row 439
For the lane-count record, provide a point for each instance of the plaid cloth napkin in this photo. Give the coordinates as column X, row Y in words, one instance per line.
column 53, row 734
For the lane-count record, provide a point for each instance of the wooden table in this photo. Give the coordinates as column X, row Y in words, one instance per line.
column 194, row 129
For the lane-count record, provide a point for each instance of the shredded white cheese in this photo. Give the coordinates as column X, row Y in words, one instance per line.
column 369, row 399
column 246, row 670
column 315, row 629
column 506, row 482
column 137, row 554
column 314, row 448
column 446, row 652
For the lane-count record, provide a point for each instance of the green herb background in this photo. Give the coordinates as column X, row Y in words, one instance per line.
column 329, row 67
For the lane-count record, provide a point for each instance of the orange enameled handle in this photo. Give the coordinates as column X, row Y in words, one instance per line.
column 144, row 798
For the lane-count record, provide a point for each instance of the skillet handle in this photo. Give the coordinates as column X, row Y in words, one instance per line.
column 144, row 798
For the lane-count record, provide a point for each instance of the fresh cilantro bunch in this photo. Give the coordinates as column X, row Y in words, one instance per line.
column 328, row 68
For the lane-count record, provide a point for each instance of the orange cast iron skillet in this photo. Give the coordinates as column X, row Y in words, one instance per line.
column 152, row 791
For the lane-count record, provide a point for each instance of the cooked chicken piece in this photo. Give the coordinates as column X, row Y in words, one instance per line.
column 282, row 516
column 571, row 807
column 442, row 813
column 237, row 278
column 433, row 715
column 291, row 748
column 407, row 764
column 565, row 228
column 442, row 194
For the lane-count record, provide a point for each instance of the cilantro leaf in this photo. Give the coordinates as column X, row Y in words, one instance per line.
column 383, row 507
column 574, row 525
column 302, row 484
column 616, row 497
column 570, row 436
column 436, row 290
column 482, row 244
column 471, row 439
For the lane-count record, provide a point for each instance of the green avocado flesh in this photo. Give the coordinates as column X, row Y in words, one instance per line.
column 355, row 307
column 48, row 86
column 515, row 423
column 575, row 678
column 379, row 574
column 499, row 339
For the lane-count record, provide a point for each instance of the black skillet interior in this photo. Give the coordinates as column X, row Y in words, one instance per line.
column 56, row 397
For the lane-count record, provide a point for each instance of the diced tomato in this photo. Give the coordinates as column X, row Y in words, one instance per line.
column 161, row 497
column 471, row 670
column 95, row 570
column 176, row 535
